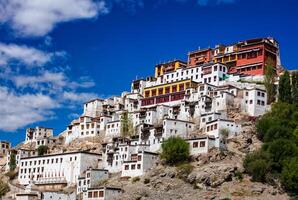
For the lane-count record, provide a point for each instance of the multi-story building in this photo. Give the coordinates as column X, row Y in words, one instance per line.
column 4, row 148
column 91, row 178
column 39, row 135
column 246, row 57
column 59, row 169
column 138, row 164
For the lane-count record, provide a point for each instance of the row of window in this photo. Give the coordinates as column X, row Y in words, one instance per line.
column 87, row 133
column 196, row 144
column 96, row 194
column 46, row 161
column 132, row 167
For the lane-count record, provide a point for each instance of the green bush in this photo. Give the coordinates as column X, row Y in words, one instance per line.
column 4, row 188
column 239, row 175
column 146, row 180
column 175, row 150
column 135, row 179
column 183, row 170
column 12, row 161
column 256, row 164
column 278, row 157
column 42, row 149
column 289, row 176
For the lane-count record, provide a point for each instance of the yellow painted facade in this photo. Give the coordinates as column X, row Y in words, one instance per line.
column 160, row 69
column 186, row 84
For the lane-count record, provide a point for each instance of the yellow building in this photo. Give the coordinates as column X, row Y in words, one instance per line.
column 169, row 88
column 160, row 69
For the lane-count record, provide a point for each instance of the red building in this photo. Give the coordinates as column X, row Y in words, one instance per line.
column 247, row 57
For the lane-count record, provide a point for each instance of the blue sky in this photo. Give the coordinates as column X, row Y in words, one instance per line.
column 56, row 54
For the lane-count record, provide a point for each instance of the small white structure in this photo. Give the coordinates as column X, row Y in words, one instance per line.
column 200, row 144
column 175, row 127
column 138, row 164
column 215, row 127
column 254, row 101
column 4, row 148
column 58, row 196
column 91, row 178
column 39, row 135
column 63, row 168
column 101, row 193
column 113, row 129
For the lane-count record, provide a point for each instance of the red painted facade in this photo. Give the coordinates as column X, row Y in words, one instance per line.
column 247, row 57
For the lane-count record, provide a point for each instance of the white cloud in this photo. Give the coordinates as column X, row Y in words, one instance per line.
column 23, row 54
column 78, row 97
column 39, row 17
column 32, row 94
column 19, row 110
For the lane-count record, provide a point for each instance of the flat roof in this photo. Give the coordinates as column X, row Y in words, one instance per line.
column 59, row 154
column 105, row 188
column 227, row 120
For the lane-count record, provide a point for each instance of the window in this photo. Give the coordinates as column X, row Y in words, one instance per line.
column 95, row 194
column 174, row 88
column 167, row 90
column 126, row 167
column 195, row 144
column 139, row 157
column 139, row 166
column 215, row 126
column 101, row 194
column 133, row 167
column 202, row 144
column 89, row 194
column 160, row 91
column 250, row 101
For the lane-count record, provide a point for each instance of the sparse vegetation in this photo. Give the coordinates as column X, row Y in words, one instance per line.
column 42, row 149
column 269, row 80
column 239, row 175
column 12, row 162
column 4, row 188
column 183, row 170
column 278, row 157
column 126, row 126
column 135, row 179
column 175, row 150
column 146, row 180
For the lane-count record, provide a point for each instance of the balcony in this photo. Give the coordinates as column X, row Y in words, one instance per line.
column 50, row 180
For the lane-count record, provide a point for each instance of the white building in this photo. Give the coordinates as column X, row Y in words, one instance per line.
column 113, row 129
column 38, row 135
column 175, row 127
column 138, row 164
column 101, row 193
column 91, row 178
column 200, row 144
column 254, row 101
column 63, row 168
column 4, row 148
column 58, row 196
column 215, row 127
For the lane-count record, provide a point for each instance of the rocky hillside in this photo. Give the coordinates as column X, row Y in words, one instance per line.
column 216, row 175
